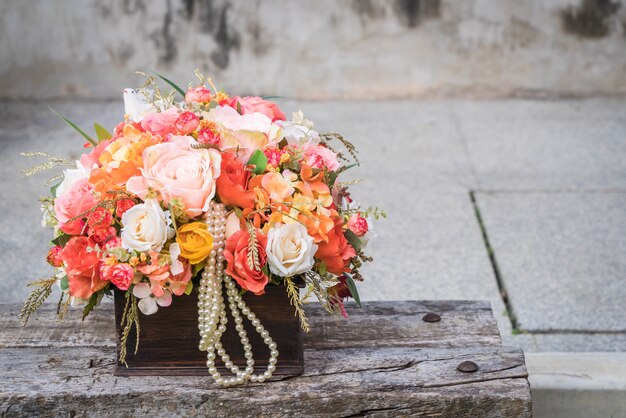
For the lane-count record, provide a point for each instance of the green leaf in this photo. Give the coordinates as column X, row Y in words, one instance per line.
column 353, row 291
column 65, row 284
column 259, row 161
column 331, row 177
column 322, row 269
column 93, row 300
column 171, row 83
column 189, row 288
column 348, row 167
column 196, row 268
column 271, row 97
column 73, row 125
column 54, row 188
column 101, row 132
column 61, row 240
column 353, row 239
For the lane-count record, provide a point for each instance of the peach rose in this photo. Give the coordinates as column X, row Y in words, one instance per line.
column 82, row 267
column 77, row 200
column 232, row 183
column 255, row 104
column 161, row 123
column 236, row 254
column 120, row 274
column 177, row 171
column 199, row 95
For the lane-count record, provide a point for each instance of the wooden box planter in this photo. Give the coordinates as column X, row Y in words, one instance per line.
column 168, row 339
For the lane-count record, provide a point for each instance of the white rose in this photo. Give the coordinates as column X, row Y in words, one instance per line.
column 290, row 249
column 71, row 176
column 145, row 227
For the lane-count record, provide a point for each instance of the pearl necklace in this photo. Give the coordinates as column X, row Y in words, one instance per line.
column 212, row 318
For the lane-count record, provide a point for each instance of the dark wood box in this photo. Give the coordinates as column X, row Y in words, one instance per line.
column 168, row 340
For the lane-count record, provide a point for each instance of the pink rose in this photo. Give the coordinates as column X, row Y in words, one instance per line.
column 255, row 104
column 121, row 274
column 187, row 122
column 177, row 171
column 77, row 200
column 199, row 95
column 358, row 225
column 162, row 123
column 318, row 156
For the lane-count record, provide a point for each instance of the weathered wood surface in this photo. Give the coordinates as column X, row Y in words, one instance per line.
column 384, row 361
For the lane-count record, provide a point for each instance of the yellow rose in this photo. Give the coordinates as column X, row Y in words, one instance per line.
column 195, row 241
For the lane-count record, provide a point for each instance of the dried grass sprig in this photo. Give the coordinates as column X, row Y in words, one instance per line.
column 130, row 319
column 51, row 163
column 253, row 250
column 37, row 296
column 296, row 302
column 327, row 137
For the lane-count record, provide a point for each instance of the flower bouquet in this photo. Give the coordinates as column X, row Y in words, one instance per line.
column 213, row 198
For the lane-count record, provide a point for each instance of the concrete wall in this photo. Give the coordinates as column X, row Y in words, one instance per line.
column 316, row 49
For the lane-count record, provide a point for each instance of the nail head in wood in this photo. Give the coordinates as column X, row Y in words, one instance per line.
column 467, row 367
column 431, row 317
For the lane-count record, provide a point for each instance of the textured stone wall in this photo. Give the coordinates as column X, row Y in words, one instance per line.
column 316, row 49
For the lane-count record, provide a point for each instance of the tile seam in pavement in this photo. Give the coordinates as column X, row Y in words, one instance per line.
column 494, row 264
column 456, row 123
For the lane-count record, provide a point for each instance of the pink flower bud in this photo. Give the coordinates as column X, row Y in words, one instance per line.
column 358, row 225
column 187, row 122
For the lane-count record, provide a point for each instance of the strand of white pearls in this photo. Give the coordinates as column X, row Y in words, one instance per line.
column 212, row 317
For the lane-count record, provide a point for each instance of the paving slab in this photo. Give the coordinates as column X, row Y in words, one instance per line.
column 546, row 145
column 561, row 258
column 572, row 385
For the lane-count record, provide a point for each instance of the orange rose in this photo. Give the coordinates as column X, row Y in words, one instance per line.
column 337, row 251
column 236, row 254
column 232, row 182
column 82, row 267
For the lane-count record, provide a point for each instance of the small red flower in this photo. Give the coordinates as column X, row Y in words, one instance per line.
column 100, row 218
column 102, row 235
column 187, row 122
column 54, row 256
column 208, row 136
column 122, row 206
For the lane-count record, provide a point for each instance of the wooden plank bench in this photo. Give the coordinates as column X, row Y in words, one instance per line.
column 384, row 361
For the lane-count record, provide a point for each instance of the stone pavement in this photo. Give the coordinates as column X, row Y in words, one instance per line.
column 519, row 202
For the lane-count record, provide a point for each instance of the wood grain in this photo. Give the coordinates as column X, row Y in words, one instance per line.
column 384, row 361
